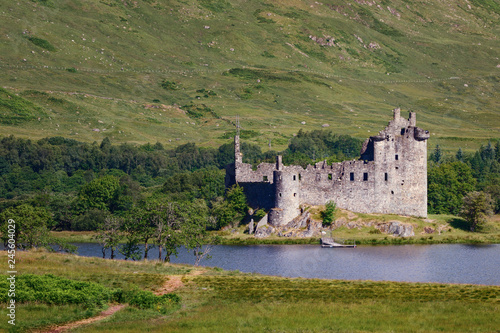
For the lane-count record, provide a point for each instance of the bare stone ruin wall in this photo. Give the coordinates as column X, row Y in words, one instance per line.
column 390, row 177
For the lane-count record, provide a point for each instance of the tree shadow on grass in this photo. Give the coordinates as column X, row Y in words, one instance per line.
column 459, row 223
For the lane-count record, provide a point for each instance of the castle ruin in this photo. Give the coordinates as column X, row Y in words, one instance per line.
column 390, row 177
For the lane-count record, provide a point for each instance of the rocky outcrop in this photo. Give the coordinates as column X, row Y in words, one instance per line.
column 300, row 221
column 396, row 228
column 264, row 231
column 323, row 41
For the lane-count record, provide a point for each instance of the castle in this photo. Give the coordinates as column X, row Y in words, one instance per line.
column 389, row 177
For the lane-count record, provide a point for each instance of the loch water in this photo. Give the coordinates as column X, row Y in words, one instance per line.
column 445, row 263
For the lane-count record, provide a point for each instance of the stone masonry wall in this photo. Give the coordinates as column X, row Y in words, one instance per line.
column 390, row 177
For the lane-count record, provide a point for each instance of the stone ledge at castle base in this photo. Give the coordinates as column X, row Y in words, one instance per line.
column 303, row 226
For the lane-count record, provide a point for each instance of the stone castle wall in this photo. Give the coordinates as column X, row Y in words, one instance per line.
column 390, row 177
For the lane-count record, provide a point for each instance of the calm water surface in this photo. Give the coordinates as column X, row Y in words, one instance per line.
column 446, row 263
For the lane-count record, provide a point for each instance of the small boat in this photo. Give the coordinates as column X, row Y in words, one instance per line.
column 331, row 242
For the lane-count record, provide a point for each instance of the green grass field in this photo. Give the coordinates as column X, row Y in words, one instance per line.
column 181, row 71
column 229, row 301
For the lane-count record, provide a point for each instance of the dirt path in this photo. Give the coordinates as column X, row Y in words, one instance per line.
column 173, row 283
column 105, row 314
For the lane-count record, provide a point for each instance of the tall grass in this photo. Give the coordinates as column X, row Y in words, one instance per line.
column 221, row 301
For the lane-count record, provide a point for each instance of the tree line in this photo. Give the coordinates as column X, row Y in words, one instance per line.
column 130, row 194
column 147, row 194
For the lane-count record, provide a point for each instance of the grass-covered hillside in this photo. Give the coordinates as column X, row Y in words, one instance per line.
column 182, row 70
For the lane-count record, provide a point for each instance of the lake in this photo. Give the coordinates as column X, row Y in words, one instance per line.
column 446, row 263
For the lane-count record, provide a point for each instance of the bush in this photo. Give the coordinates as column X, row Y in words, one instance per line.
column 259, row 214
column 147, row 300
column 40, row 42
column 169, row 85
column 54, row 290
column 328, row 214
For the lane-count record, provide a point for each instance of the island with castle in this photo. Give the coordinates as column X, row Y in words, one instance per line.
column 390, row 177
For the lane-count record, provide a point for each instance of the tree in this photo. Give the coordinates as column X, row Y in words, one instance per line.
column 460, row 155
column 91, row 220
column 143, row 226
column 194, row 230
column 237, row 199
column 476, row 207
column 98, row 193
column 437, row 154
column 164, row 216
column 32, row 225
column 222, row 213
column 448, row 183
column 131, row 247
column 328, row 214
column 109, row 235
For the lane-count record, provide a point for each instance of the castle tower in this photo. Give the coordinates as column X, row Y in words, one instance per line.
column 238, row 156
column 400, row 157
column 287, row 195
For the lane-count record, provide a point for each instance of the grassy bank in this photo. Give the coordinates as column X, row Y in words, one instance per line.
column 446, row 229
column 214, row 300
column 436, row 229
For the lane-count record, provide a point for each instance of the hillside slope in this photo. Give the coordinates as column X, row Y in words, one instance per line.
column 178, row 71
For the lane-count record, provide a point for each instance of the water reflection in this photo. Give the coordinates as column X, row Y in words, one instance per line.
column 447, row 263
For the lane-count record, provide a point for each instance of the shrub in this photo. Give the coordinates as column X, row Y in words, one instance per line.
column 147, row 300
column 169, row 85
column 328, row 214
column 40, row 42
column 54, row 290
column 259, row 214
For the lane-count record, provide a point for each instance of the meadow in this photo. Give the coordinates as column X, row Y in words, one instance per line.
column 213, row 300
column 181, row 71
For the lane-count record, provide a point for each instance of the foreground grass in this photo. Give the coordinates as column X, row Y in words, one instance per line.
column 110, row 273
column 229, row 301
column 312, row 316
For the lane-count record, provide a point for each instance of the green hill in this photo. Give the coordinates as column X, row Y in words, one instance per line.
column 182, row 70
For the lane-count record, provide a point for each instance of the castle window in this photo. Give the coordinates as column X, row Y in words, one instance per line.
column 294, row 177
column 403, row 131
column 330, row 176
column 386, row 176
column 300, row 176
column 392, row 192
column 352, row 176
column 365, row 176
column 397, row 157
column 265, row 178
column 295, row 194
column 280, row 194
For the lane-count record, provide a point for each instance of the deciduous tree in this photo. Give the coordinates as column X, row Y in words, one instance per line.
column 476, row 207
